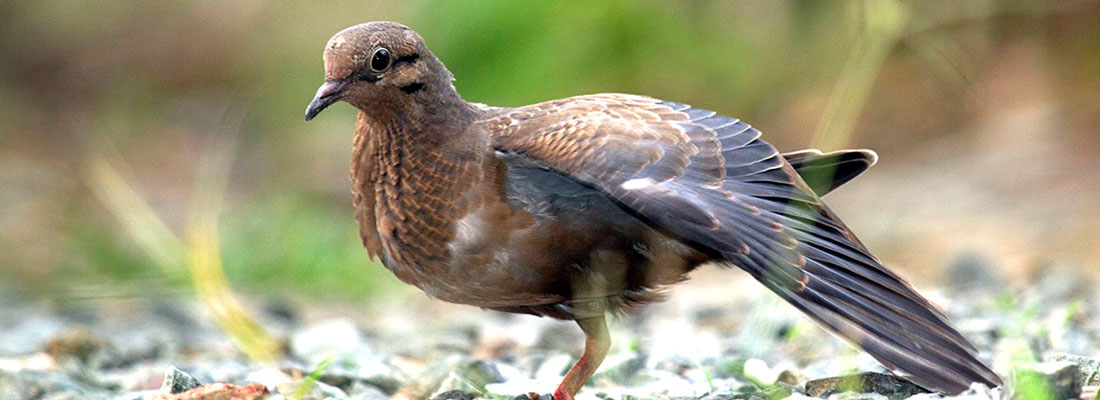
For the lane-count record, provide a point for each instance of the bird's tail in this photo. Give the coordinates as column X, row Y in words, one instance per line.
column 852, row 295
column 824, row 172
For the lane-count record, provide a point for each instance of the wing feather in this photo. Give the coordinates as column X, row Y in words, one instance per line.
column 711, row 181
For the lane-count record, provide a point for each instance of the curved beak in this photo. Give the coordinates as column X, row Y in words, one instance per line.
column 329, row 92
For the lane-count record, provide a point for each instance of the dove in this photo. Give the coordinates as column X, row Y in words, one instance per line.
column 590, row 206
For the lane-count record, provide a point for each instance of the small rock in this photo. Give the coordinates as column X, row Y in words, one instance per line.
column 454, row 395
column 1088, row 366
column 868, row 382
column 1056, row 379
column 788, row 377
column 220, row 391
column 528, row 397
column 177, row 381
column 477, row 373
column 307, row 389
column 456, row 383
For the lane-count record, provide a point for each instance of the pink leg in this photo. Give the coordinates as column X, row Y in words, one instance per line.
column 596, row 343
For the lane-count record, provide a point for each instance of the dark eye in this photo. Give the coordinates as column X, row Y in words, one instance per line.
column 380, row 60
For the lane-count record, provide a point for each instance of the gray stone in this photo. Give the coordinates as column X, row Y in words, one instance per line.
column 1088, row 366
column 540, row 397
column 454, row 395
column 477, row 373
column 868, row 382
column 379, row 373
column 1056, row 379
column 177, row 381
column 456, row 383
column 469, row 376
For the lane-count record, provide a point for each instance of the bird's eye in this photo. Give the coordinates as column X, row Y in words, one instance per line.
column 380, row 60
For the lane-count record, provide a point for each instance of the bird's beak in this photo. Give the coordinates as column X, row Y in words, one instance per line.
column 329, row 92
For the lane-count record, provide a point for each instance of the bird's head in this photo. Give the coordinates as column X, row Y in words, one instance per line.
column 378, row 66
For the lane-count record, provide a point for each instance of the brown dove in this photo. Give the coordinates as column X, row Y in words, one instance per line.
column 580, row 207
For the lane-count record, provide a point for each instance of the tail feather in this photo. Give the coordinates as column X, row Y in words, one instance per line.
column 824, row 172
column 942, row 366
column 811, row 260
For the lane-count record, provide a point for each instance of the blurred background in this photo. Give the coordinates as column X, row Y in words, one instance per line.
column 144, row 144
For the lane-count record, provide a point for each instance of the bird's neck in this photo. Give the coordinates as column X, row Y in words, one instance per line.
column 419, row 132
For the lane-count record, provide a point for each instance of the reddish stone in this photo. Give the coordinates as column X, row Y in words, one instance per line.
column 220, row 391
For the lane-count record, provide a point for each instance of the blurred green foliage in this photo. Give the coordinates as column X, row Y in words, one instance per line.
column 151, row 85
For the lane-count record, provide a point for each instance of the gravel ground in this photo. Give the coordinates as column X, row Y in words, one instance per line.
column 725, row 340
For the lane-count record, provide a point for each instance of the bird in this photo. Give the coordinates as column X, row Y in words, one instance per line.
column 590, row 206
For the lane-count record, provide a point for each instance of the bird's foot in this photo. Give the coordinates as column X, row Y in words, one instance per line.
column 562, row 395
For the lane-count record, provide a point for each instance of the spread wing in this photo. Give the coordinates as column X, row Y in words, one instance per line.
column 711, row 181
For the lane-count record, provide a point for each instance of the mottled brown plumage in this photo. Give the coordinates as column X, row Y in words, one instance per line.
column 577, row 207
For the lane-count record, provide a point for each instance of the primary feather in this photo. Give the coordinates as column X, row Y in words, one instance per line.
column 712, row 181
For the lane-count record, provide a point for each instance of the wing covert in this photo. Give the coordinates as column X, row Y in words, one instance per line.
column 711, row 181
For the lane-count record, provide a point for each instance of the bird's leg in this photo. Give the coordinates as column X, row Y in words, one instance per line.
column 596, row 343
